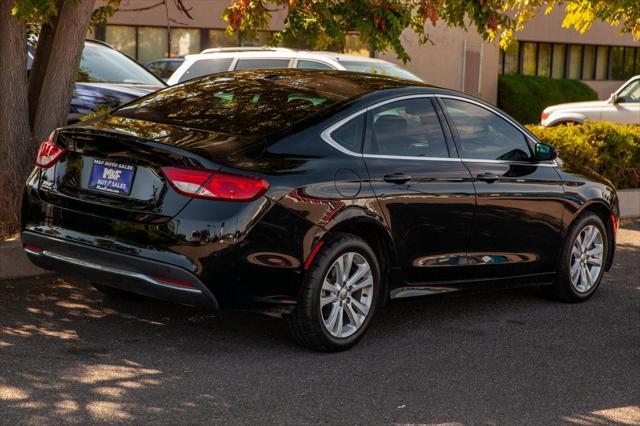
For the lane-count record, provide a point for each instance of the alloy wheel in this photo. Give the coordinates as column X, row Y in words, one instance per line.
column 587, row 255
column 347, row 294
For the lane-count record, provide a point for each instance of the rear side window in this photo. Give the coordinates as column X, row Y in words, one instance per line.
column 631, row 93
column 205, row 67
column 313, row 65
column 173, row 65
column 156, row 68
column 381, row 68
column 250, row 64
column 350, row 134
column 484, row 135
column 407, row 128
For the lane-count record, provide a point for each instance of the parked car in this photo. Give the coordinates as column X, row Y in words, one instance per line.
column 241, row 58
column 106, row 79
column 164, row 68
column 321, row 195
column 623, row 106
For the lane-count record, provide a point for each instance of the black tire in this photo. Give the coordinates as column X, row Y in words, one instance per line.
column 562, row 289
column 306, row 323
column 116, row 293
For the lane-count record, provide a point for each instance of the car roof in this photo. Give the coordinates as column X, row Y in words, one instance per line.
column 349, row 84
column 278, row 53
column 341, row 89
column 178, row 59
column 100, row 42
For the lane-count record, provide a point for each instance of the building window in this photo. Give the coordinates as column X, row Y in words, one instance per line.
column 510, row 59
column 122, row 38
column 220, row 38
column 602, row 63
column 629, row 59
column 574, row 61
column 152, row 44
column 184, row 41
column 529, row 56
column 544, row 60
column 558, row 61
column 588, row 63
column 354, row 46
column 256, row 39
column 617, row 63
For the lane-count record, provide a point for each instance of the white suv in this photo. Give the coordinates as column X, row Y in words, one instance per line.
column 211, row 61
column 623, row 106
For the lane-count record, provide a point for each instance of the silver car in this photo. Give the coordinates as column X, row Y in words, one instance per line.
column 623, row 106
column 211, row 61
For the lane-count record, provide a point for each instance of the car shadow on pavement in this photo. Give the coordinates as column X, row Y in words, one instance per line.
column 68, row 354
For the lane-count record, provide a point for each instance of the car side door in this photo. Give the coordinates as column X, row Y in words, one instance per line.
column 424, row 191
column 517, row 227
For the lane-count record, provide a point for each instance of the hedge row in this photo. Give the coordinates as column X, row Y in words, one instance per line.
column 612, row 150
column 525, row 97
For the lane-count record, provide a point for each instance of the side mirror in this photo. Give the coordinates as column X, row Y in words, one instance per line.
column 545, row 152
column 613, row 99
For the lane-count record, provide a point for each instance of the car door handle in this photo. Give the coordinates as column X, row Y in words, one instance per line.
column 488, row 177
column 398, row 178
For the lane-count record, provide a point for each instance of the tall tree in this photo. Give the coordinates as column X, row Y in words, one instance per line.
column 381, row 22
column 33, row 105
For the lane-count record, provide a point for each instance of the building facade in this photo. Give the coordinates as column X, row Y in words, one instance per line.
column 456, row 58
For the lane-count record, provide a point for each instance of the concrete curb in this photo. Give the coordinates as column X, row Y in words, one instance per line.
column 15, row 264
column 629, row 202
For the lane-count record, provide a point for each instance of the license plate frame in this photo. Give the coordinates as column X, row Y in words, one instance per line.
column 110, row 177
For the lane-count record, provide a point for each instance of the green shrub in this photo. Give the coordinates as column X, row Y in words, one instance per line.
column 525, row 97
column 612, row 150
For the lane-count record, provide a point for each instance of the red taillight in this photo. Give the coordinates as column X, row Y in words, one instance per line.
column 614, row 223
column 215, row 185
column 172, row 281
column 544, row 116
column 49, row 153
column 312, row 255
column 32, row 248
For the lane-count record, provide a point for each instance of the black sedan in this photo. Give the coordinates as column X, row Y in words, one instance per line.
column 318, row 196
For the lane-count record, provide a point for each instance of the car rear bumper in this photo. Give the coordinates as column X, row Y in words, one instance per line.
column 119, row 270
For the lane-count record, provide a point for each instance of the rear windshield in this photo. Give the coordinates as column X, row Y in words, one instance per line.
column 206, row 66
column 379, row 68
column 102, row 64
column 249, row 103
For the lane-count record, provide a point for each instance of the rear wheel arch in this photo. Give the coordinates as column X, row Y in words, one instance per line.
column 567, row 118
column 378, row 238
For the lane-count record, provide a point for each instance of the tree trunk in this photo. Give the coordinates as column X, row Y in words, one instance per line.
column 16, row 147
column 30, row 110
column 56, row 66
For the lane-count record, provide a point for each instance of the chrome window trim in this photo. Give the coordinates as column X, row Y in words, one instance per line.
column 405, row 157
column 326, row 134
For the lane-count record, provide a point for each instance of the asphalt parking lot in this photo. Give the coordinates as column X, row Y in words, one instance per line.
column 511, row 357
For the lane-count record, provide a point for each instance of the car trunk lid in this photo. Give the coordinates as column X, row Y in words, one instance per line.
column 113, row 167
